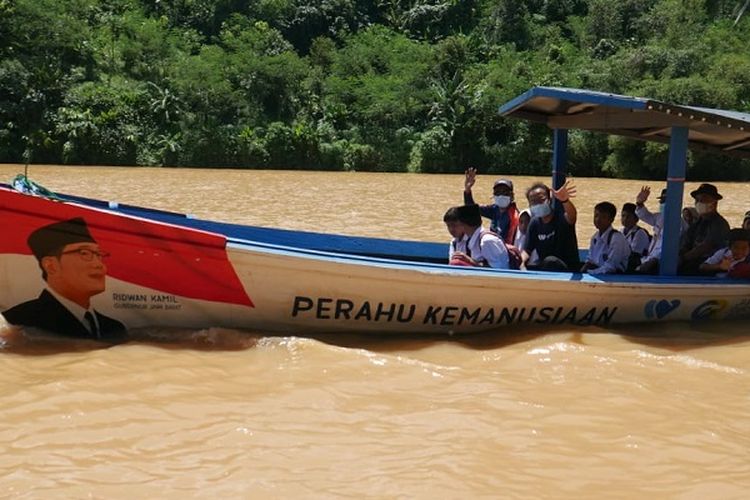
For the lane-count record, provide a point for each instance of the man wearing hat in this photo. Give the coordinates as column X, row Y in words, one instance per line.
column 72, row 266
column 502, row 212
column 707, row 235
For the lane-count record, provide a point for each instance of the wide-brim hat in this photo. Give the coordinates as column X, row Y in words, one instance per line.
column 50, row 239
column 708, row 189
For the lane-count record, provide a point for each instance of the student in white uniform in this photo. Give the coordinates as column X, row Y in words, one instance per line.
column 472, row 245
column 609, row 250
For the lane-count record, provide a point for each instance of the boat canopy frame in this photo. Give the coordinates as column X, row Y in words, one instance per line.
column 682, row 127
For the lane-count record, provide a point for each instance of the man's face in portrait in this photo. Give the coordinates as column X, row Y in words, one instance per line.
column 77, row 271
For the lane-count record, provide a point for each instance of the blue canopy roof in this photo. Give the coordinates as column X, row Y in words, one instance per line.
column 716, row 130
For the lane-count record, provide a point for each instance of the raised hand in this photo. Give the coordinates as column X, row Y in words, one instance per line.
column 642, row 195
column 566, row 191
column 471, row 177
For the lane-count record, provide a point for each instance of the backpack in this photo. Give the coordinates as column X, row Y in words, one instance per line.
column 634, row 259
column 514, row 253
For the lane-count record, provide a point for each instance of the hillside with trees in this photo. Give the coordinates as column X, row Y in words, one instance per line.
column 367, row 85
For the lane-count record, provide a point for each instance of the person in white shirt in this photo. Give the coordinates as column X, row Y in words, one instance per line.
column 472, row 245
column 650, row 262
column 725, row 259
column 637, row 237
column 609, row 250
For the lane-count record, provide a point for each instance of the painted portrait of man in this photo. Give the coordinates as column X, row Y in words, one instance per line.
column 73, row 268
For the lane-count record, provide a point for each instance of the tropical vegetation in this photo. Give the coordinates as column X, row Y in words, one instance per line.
column 367, row 85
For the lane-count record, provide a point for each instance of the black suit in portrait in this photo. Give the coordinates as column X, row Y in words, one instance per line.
column 47, row 313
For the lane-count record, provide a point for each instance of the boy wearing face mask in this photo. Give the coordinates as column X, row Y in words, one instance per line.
column 707, row 235
column 503, row 212
column 650, row 262
column 552, row 231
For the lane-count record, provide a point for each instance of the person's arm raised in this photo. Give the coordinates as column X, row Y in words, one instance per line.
column 563, row 195
column 469, row 180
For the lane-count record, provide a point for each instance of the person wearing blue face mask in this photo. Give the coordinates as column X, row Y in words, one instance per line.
column 502, row 213
column 552, row 232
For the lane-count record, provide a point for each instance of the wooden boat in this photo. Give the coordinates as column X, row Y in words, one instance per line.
column 168, row 269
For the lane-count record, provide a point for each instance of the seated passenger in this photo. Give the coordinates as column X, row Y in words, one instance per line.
column 609, row 250
column 650, row 262
column 552, row 231
column 472, row 245
column 638, row 238
column 707, row 235
column 689, row 217
column 732, row 260
column 503, row 212
column 523, row 228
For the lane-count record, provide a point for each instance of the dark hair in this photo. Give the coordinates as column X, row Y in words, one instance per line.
column 738, row 234
column 607, row 208
column 629, row 208
column 469, row 215
column 537, row 185
column 451, row 215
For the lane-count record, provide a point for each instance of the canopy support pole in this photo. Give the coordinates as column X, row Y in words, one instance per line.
column 559, row 156
column 676, row 169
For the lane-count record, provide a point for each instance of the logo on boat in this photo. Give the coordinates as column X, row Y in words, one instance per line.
column 658, row 309
column 711, row 309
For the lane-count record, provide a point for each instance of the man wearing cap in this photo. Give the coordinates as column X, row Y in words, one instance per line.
column 707, row 235
column 72, row 266
column 650, row 262
column 502, row 212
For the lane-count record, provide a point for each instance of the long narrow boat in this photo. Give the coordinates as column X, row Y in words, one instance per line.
column 168, row 269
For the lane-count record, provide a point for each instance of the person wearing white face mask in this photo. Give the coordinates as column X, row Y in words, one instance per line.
column 650, row 262
column 551, row 233
column 705, row 236
column 502, row 213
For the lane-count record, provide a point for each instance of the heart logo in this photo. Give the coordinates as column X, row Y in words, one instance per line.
column 661, row 308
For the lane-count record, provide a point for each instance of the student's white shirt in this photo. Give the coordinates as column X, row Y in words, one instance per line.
column 720, row 255
column 638, row 240
column 616, row 249
column 492, row 249
column 457, row 245
column 657, row 222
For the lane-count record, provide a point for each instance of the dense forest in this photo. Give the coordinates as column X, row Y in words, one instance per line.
column 366, row 85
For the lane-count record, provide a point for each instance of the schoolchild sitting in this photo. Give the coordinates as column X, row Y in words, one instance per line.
column 472, row 245
column 609, row 250
column 637, row 237
column 733, row 260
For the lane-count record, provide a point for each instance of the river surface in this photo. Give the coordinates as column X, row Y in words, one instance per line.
column 660, row 412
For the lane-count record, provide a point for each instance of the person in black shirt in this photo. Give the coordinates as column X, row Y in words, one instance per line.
column 552, row 229
column 706, row 235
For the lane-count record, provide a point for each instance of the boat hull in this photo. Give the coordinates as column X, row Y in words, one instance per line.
column 174, row 275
